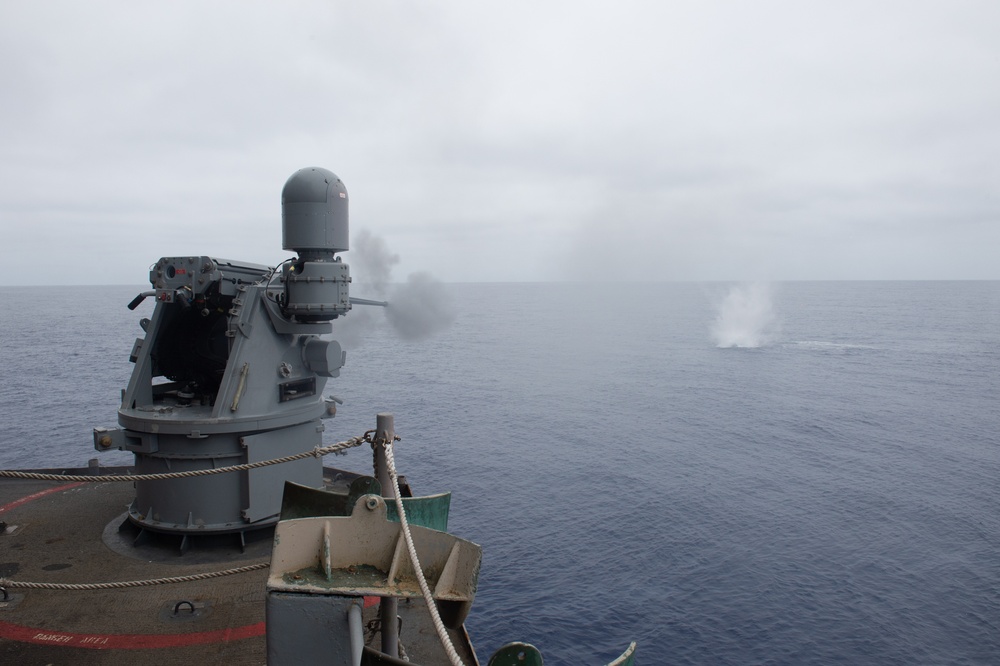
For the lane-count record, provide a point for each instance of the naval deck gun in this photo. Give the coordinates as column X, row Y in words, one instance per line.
column 232, row 370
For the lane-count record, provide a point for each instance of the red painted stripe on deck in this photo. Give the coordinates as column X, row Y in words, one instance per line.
column 40, row 493
column 16, row 632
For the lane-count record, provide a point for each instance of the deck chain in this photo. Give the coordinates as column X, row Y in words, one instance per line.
column 318, row 452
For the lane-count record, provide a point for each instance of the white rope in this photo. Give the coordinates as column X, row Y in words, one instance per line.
column 428, row 597
column 97, row 478
column 4, row 583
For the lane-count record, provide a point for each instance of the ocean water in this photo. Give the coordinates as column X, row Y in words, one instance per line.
column 826, row 493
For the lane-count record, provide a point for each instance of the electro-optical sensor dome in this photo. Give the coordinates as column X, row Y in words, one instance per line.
column 314, row 213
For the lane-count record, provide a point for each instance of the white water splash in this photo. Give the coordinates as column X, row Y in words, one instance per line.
column 745, row 317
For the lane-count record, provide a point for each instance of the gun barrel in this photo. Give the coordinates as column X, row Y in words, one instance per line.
column 368, row 301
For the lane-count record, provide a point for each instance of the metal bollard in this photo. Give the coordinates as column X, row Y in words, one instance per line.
column 389, row 606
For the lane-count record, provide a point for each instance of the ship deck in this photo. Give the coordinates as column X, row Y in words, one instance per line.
column 59, row 532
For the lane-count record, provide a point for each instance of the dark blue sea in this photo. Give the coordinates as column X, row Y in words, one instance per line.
column 826, row 491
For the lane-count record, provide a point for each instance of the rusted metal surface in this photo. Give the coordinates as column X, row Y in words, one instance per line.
column 367, row 557
column 58, row 532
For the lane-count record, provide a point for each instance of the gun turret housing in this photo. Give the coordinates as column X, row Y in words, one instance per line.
column 314, row 224
column 232, row 370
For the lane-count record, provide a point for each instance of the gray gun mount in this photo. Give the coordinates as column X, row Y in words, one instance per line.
column 232, row 370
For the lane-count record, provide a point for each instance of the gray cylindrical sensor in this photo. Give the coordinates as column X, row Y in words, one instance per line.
column 314, row 225
column 314, row 213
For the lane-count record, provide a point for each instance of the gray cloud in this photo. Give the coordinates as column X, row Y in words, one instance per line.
column 508, row 141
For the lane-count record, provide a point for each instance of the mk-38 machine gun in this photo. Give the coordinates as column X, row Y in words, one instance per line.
column 232, row 370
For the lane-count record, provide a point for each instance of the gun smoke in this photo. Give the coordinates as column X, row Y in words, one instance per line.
column 418, row 308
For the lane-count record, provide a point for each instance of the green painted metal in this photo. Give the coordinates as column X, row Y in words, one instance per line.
column 304, row 502
column 516, row 654
column 301, row 501
column 523, row 654
column 430, row 511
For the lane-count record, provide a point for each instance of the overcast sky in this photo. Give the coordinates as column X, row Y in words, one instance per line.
column 509, row 140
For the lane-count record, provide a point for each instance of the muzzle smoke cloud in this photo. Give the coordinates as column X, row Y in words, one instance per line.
column 418, row 309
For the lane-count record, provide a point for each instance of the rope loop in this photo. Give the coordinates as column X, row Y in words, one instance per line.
column 380, row 441
column 424, row 587
column 117, row 585
column 316, row 452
